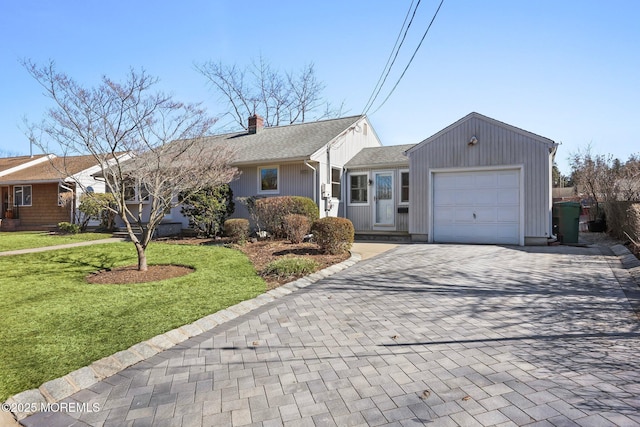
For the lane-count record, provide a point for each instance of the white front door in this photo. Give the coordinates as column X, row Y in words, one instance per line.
column 383, row 199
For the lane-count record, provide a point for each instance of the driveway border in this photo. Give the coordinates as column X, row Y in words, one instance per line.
column 628, row 275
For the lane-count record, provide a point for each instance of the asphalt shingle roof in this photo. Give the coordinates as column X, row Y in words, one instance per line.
column 51, row 170
column 282, row 142
column 11, row 162
column 380, row 156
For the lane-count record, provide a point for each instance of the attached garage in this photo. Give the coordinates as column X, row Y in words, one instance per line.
column 481, row 206
column 481, row 181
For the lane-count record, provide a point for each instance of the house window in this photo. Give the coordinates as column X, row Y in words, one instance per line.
column 336, row 190
column 358, row 188
column 65, row 195
column 268, row 179
column 22, row 195
column 135, row 192
column 404, row 187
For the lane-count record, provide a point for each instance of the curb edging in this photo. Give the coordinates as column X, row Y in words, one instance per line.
column 628, row 275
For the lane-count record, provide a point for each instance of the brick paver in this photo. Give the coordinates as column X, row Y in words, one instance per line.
column 449, row 334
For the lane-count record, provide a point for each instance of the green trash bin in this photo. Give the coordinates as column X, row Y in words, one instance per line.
column 566, row 221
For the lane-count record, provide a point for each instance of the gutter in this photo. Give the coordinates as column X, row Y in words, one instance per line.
column 377, row 166
column 271, row 161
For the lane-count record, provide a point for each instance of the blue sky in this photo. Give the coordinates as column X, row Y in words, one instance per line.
column 567, row 70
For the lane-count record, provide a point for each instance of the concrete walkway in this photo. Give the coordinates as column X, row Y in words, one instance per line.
column 442, row 334
column 368, row 250
column 65, row 246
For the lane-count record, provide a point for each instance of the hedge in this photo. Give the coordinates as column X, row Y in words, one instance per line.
column 271, row 211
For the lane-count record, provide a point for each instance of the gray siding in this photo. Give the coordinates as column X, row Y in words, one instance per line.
column 362, row 215
column 343, row 148
column 498, row 146
column 296, row 179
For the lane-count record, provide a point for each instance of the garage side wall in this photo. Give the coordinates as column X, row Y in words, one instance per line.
column 496, row 146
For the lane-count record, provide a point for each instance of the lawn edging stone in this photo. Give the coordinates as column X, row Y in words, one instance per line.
column 61, row 388
column 628, row 275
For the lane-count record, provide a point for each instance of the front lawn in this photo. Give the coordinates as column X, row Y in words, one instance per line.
column 53, row 322
column 14, row 240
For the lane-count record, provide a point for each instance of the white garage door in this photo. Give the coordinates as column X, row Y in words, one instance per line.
column 477, row 207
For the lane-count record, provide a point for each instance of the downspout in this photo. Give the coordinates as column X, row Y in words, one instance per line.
column 315, row 181
column 343, row 192
column 327, row 203
column 72, row 200
column 553, row 149
column 327, row 200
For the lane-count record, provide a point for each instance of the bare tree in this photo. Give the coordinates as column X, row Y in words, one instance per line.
column 592, row 176
column 163, row 142
column 630, row 179
column 259, row 89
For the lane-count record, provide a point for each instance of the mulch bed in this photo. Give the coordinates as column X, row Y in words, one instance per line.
column 130, row 274
column 263, row 252
column 259, row 253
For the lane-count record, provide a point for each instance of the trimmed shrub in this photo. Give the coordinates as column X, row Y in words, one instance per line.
column 333, row 235
column 270, row 212
column 237, row 229
column 68, row 228
column 295, row 227
column 294, row 266
column 208, row 208
column 305, row 206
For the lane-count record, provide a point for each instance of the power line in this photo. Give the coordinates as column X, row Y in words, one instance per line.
column 412, row 56
column 378, row 87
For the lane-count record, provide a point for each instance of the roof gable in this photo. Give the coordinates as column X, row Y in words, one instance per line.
column 477, row 116
column 282, row 143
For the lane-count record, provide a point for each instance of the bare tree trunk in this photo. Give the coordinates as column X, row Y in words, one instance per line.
column 142, row 257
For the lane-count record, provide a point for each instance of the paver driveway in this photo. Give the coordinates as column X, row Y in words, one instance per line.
column 442, row 334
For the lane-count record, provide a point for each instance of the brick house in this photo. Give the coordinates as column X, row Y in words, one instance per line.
column 37, row 193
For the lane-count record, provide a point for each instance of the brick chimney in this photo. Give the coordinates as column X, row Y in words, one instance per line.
column 256, row 123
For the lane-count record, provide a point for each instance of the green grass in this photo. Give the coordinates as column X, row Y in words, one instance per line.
column 53, row 322
column 11, row 241
column 294, row 266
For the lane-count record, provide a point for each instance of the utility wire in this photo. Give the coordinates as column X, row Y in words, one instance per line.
column 381, row 80
column 412, row 56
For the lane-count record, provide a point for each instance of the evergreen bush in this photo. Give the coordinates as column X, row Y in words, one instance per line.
column 333, row 235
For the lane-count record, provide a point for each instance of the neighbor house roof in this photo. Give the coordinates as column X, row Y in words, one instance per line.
column 12, row 162
column 392, row 155
column 56, row 169
column 282, row 143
